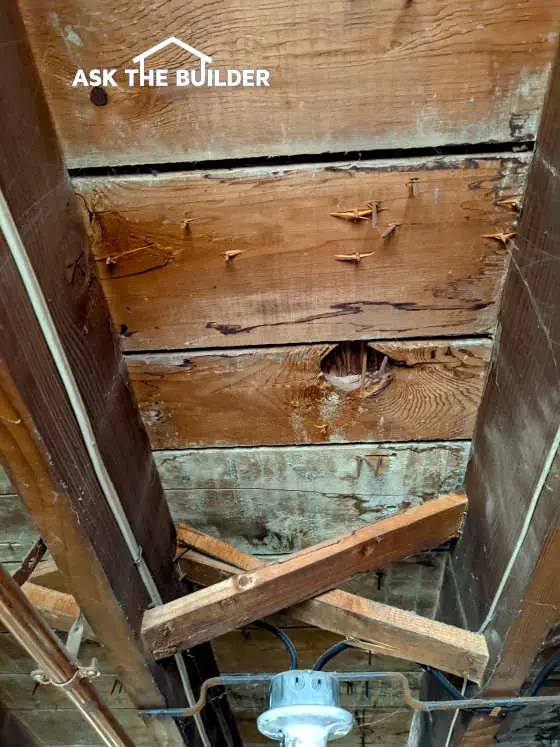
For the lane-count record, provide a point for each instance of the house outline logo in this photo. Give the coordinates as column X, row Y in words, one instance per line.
column 142, row 76
column 140, row 58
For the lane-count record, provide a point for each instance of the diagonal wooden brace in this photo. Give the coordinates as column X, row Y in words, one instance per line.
column 266, row 589
column 384, row 629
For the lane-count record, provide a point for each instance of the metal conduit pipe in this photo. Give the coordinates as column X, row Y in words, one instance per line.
column 29, row 629
column 417, row 705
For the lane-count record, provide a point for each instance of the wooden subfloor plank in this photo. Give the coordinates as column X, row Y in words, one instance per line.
column 262, row 396
column 169, row 287
column 210, row 612
column 274, row 500
column 321, row 63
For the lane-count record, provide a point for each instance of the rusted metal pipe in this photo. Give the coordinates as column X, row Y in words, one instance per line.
column 29, row 629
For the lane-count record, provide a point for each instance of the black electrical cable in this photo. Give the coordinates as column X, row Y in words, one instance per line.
column 455, row 693
column 330, row 653
column 543, row 674
column 537, row 684
column 286, row 640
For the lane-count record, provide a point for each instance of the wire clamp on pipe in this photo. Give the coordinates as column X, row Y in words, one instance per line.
column 90, row 672
column 138, row 559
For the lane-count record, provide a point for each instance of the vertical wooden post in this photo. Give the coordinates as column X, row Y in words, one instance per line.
column 43, row 447
column 503, row 576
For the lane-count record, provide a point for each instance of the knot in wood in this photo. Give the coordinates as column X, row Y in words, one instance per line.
column 245, row 581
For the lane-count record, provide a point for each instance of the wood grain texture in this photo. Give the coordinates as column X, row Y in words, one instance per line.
column 273, row 500
column 305, row 494
column 46, row 574
column 388, row 630
column 21, row 451
column 46, row 454
column 280, row 395
column 60, row 610
column 342, row 78
column 514, row 473
column 207, row 613
column 412, row 584
column 55, row 662
column 17, row 533
column 170, row 288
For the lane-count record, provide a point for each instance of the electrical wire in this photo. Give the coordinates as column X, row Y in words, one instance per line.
column 444, row 682
column 543, row 674
column 44, row 317
column 282, row 636
column 533, row 689
column 329, row 654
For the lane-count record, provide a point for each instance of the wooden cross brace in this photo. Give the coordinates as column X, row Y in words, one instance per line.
column 290, row 586
column 241, row 589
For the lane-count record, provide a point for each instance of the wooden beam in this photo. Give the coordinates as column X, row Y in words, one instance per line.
column 22, row 452
column 503, row 577
column 389, row 630
column 47, row 574
column 538, row 612
column 60, row 610
column 34, row 635
column 42, row 443
column 225, row 606
column 215, row 489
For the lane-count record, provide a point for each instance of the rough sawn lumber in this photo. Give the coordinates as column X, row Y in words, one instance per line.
column 210, row 612
column 391, row 631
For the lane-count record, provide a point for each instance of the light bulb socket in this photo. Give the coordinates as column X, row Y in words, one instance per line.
column 304, row 709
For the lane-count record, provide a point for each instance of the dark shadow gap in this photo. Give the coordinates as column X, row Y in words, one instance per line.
column 468, row 149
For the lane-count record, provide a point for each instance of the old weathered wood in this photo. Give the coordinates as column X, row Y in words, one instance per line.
column 46, row 574
column 281, row 396
column 59, row 609
column 201, row 616
column 42, row 445
column 30, row 562
column 321, row 65
column 306, row 494
column 394, row 632
column 286, row 286
column 22, row 452
column 17, row 533
column 389, row 630
column 64, row 727
column 513, row 480
column 32, row 632
column 12, row 731
column 273, row 500
column 412, row 584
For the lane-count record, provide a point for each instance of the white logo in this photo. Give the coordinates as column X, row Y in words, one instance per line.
column 198, row 76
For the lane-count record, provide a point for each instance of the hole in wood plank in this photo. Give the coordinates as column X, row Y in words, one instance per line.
column 356, row 367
